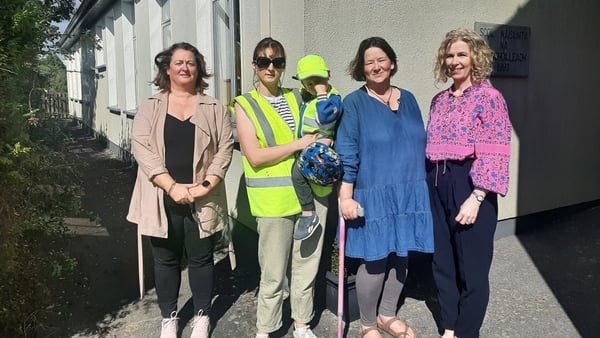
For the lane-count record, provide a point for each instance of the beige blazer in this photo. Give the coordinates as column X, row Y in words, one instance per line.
column 212, row 156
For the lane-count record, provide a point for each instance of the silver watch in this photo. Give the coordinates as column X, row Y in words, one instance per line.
column 479, row 198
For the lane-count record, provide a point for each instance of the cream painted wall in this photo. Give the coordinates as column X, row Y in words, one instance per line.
column 554, row 116
column 282, row 20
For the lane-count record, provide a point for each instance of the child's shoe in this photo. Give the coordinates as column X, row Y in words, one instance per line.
column 306, row 226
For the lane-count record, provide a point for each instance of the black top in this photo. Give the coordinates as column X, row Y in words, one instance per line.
column 179, row 150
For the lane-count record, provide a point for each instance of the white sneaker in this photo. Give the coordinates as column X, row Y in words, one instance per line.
column 304, row 332
column 170, row 326
column 200, row 326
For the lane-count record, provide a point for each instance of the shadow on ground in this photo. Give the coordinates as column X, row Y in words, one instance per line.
column 564, row 244
column 101, row 240
column 105, row 287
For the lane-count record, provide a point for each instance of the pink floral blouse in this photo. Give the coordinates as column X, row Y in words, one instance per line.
column 475, row 125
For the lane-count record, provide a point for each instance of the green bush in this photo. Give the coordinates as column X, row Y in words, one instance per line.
column 40, row 186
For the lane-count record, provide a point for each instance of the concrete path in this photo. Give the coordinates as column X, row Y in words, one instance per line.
column 544, row 279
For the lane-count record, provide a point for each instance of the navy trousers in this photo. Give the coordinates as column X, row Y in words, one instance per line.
column 463, row 253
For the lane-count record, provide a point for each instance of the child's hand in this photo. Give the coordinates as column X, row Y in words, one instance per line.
column 321, row 87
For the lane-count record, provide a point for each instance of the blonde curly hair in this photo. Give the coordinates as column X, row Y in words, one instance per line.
column 482, row 56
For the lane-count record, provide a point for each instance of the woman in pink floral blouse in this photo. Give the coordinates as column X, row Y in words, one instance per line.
column 468, row 151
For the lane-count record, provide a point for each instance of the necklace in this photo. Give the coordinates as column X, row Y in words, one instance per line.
column 387, row 102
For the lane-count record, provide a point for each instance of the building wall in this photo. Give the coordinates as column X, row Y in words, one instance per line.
column 282, row 20
column 555, row 119
column 553, row 110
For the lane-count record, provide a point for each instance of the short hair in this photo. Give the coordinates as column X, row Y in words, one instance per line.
column 265, row 43
column 356, row 68
column 482, row 56
column 162, row 61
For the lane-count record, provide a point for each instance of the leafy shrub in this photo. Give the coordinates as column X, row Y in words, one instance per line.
column 40, row 186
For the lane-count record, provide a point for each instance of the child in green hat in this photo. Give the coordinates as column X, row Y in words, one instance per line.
column 320, row 111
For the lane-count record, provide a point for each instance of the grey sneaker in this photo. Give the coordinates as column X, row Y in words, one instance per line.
column 170, row 326
column 200, row 326
column 306, row 227
column 304, row 332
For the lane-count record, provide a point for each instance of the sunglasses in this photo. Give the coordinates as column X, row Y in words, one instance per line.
column 264, row 62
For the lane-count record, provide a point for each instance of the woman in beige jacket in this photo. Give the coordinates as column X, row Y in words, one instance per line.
column 182, row 143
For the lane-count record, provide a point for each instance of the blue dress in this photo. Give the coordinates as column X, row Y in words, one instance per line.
column 383, row 155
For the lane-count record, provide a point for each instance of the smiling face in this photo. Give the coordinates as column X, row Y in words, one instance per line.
column 378, row 66
column 183, row 70
column 459, row 63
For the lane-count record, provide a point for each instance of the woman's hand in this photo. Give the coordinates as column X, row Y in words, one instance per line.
column 199, row 190
column 180, row 193
column 349, row 208
column 326, row 141
column 305, row 141
column 469, row 210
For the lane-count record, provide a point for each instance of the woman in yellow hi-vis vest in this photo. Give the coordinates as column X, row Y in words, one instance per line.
column 267, row 118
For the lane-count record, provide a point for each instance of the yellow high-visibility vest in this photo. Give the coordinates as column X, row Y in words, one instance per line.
column 308, row 116
column 270, row 189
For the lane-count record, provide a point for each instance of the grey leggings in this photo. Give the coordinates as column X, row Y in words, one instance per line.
column 380, row 279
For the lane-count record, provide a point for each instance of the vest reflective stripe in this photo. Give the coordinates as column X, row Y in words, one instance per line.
column 270, row 190
column 328, row 126
column 310, row 122
column 268, row 182
column 262, row 120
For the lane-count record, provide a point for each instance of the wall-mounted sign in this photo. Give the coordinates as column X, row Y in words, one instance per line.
column 511, row 46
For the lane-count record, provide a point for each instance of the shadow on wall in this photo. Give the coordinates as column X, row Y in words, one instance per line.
column 554, row 114
column 89, row 88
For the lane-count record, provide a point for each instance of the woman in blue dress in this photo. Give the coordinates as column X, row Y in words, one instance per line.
column 381, row 140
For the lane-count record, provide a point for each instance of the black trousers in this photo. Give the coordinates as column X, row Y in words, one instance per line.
column 184, row 238
column 463, row 253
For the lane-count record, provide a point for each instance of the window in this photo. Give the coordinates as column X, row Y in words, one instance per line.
column 166, row 22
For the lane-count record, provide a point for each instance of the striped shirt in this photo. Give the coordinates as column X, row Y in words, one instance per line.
column 282, row 107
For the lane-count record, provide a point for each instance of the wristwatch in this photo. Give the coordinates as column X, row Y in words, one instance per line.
column 206, row 183
column 479, row 198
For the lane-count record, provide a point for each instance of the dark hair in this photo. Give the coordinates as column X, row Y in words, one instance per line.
column 265, row 43
column 356, row 68
column 162, row 61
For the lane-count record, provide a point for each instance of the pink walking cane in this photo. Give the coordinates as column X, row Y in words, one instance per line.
column 341, row 273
